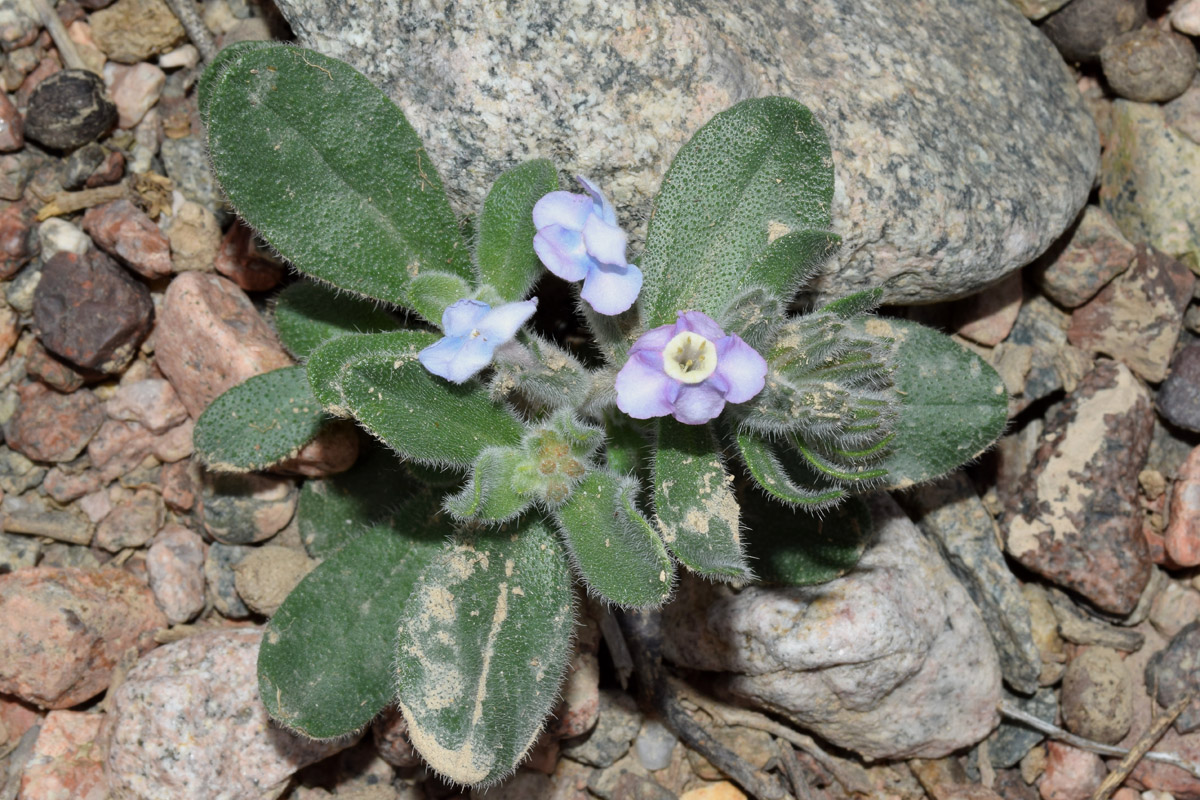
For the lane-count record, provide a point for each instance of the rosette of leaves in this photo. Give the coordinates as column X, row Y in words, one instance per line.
column 452, row 549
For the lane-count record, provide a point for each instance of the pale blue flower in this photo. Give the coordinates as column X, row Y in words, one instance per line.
column 473, row 332
column 689, row 370
column 578, row 239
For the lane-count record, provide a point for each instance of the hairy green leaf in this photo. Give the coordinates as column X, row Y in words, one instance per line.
column 260, row 422
column 482, row 650
column 768, row 473
column 327, row 169
column 325, row 666
column 504, row 253
column 614, row 548
column 745, row 203
column 308, row 314
column 495, row 492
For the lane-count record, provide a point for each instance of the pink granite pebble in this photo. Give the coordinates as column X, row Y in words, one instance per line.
column 1183, row 523
column 134, row 90
column 133, row 521
column 16, row 717
column 1071, row 774
column 240, row 260
column 12, row 126
column 152, row 402
column 125, row 231
column 201, row 693
column 62, row 631
column 176, row 566
column 66, row 764
column 211, row 338
column 987, row 317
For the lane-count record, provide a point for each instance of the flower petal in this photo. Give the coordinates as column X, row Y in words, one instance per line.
column 562, row 251
column 603, row 207
column 462, row 316
column 643, row 389
column 698, row 403
column 741, row 367
column 611, row 289
column 699, row 322
column 567, row 209
column 503, row 322
column 655, row 339
column 604, row 242
column 440, row 356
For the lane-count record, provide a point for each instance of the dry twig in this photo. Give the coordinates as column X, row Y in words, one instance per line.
column 197, row 31
column 1141, row 748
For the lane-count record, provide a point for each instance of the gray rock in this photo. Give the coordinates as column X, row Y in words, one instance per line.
column 17, row 473
column 267, row 575
column 18, row 552
column 221, row 580
column 76, row 556
column 654, row 745
column 1178, row 398
column 953, row 516
column 1149, row 65
column 891, row 660
column 243, row 509
column 956, row 162
column 1043, row 327
column 1083, row 27
column 186, row 163
column 619, row 722
column 1009, row 743
column 40, row 516
column 1174, row 673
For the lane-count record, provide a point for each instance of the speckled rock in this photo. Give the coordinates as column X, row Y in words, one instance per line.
column 1083, row 27
column 267, row 575
column 195, row 238
column 1077, row 522
column 1149, row 65
column 1009, row 743
column 1071, row 773
column 242, row 509
column 1173, row 673
column 1175, row 607
column 41, row 365
column 122, row 229
column 953, row 516
column 203, row 691
column 134, row 520
column 893, row 662
column 1182, row 536
column 1178, row 398
column 186, row 162
column 130, row 31
column 1093, row 253
column 69, row 109
column 134, row 90
column 1183, row 113
column 18, row 238
column 151, row 402
column 988, row 316
column 221, row 579
column 33, row 514
column 1097, row 701
column 175, row 565
column 12, row 126
column 18, row 552
column 66, row 764
column 179, row 482
column 211, row 338
column 618, row 723
column 16, row 717
column 955, row 163
column 1042, row 327
column 49, row 426
column 90, row 312
column 1137, row 318
column 1147, row 181
column 57, row 235
column 63, row 630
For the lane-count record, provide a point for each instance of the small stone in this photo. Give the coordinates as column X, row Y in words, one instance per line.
column 185, row 56
column 19, row 241
column 1045, row 634
column 1185, row 17
column 57, row 236
column 186, row 162
column 1173, row 673
column 39, row 516
column 1182, row 536
column 123, row 230
column 1183, row 113
column 1078, row 523
column 69, row 109
column 618, row 723
column 64, row 630
column 1009, row 743
column 1093, row 253
column 1071, row 774
column 65, row 483
column 1082, row 29
column 211, row 338
column 175, row 565
column 12, row 126
column 221, row 580
column 17, row 473
column 195, row 238
column 390, row 732
column 118, row 447
column 1137, row 317
column 1175, row 607
column 579, row 708
column 110, row 171
column 134, row 90
column 1149, row 65
column 654, row 745
column 1147, row 181
column 130, row 31
column 267, row 575
column 988, row 316
column 202, row 690
column 151, row 402
column 91, row 312
column 178, row 483
column 132, row 522
column 80, row 32
column 1043, row 327
column 240, row 259
column 49, row 426
column 754, row 747
column 42, row 365
column 1179, row 396
column 243, row 509
column 17, row 552
column 332, row 451
column 723, row 790
column 1097, row 695
column 66, row 762
column 68, row 556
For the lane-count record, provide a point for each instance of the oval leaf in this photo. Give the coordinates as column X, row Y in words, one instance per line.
column 616, row 551
column 798, row 548
column 259, row 422
column 377, row 379
column 694, row 504
column 504, row 251
column 482, row 649
column 308, row 314
column 768, row 473
column 327, row 169
column 757, row 174
column 325, row 667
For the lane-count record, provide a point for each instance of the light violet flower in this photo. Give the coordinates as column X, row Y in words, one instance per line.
column 473, row 332
column 689, row 370
column 578, row 239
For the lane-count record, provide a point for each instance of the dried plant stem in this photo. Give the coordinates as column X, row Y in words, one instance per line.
column 1093, row 747
column 197, row 31
column 1141, row 748
column 62, row 40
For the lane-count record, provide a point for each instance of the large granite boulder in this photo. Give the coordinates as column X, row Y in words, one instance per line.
column 961, row 146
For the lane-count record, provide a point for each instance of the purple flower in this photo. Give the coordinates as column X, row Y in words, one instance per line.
column 473, row 332
column 689, row 370
column 578, row 240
